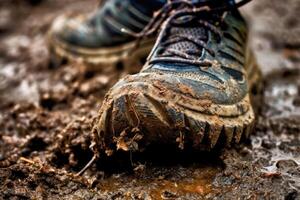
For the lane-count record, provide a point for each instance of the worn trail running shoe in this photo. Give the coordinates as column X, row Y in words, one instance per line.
column 98, row 39
column 193, row 91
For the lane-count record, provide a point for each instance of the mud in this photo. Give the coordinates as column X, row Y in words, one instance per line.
column 47, row 112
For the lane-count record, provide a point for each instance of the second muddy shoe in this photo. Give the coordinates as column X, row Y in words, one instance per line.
column 194, row 90
column 97, row 39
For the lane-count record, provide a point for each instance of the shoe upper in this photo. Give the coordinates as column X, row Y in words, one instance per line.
column 193, row 88
column 103, row 28
column 201, row 56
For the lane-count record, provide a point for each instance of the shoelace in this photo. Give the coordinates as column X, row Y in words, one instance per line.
column 166, row 17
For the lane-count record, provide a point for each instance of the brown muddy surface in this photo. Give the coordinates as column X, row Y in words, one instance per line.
column 46, row 114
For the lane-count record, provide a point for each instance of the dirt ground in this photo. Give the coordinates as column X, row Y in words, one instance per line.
column 46, row 115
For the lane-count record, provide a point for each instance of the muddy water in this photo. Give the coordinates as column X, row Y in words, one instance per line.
column 46, row 116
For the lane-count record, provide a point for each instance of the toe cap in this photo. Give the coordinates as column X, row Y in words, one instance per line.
column 159, row 113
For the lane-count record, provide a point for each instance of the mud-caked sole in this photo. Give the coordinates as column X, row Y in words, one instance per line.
column 126, row 56
column 137, row 114
column 139, row 110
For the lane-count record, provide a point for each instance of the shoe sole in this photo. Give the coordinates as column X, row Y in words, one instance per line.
column 131, row 120
column 124, row 56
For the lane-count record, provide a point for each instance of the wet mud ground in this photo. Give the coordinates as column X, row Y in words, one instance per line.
column 46, row 114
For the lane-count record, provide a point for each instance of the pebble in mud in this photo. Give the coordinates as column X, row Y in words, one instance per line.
column 286, row 164
column 168, row 195
column 268, row 144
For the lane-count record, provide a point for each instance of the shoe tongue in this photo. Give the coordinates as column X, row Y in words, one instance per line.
column 194, row 29
column 185, row 45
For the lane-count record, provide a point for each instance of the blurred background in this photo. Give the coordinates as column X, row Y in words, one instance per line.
column 46, row 113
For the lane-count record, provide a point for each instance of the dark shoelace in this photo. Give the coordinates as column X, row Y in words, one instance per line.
column 166, row 17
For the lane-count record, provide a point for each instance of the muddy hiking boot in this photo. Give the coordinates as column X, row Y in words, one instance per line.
column 98, row 40
column 193, row 91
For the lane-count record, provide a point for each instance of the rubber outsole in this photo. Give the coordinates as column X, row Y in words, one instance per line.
column 142, row 113
column 125, row 56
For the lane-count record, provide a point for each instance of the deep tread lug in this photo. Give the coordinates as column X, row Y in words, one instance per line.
column 229, row 131
column 160, row 111
column 238, row 134
column 214, row 134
